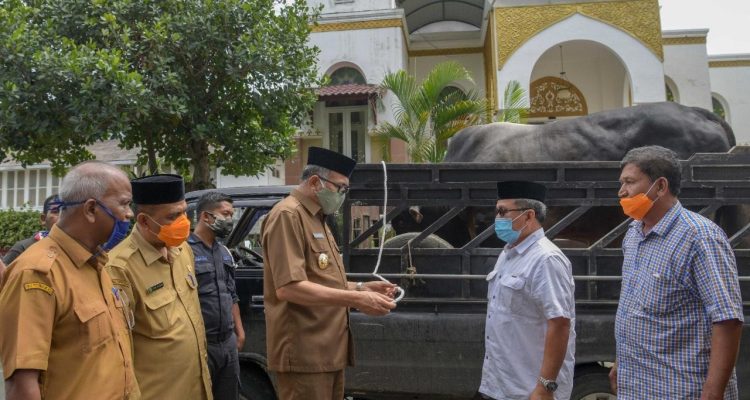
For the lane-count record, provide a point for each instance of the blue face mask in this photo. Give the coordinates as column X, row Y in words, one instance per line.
column 119, row 231
column 504, row 229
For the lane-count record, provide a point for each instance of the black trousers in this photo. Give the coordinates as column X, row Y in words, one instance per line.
column 224, row 365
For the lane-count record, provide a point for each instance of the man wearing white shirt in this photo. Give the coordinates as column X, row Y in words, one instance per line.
column 530, row 325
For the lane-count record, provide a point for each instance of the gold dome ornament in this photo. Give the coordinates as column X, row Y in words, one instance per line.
column 323, row 261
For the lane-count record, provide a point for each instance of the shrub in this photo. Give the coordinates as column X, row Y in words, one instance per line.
column 16, row 225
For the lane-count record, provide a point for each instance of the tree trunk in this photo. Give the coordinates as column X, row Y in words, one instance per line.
column 201, row 167
column 153, row 166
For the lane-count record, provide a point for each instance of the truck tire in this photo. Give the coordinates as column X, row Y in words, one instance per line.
column 430, row 242
column 255, row 383
column 592, row 384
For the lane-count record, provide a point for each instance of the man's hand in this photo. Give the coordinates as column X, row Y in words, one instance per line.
column 240, row 340
column 613, row 378
column 540, row 393
column 386, row 288
column 374, row 303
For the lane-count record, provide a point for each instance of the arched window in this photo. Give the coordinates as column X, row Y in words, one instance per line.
column 555, row 97
column 670, row 95
column 347, row 75
column 718, row 108
column 670, row 88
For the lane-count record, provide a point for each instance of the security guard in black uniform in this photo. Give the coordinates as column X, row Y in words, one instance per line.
column 214, row 267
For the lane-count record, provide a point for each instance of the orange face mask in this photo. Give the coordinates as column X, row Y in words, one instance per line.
column 175, row 233
column 638, row 206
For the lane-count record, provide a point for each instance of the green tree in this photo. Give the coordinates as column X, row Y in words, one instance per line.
column 513, row 108
column 196, row 83
column 427, row 114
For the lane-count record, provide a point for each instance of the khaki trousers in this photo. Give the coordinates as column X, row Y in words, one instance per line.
column 313, row 386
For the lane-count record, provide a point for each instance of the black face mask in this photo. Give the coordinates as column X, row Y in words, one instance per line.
column 221, row 227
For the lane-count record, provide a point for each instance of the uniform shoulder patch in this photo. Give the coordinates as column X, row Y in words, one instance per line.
column 39, row 286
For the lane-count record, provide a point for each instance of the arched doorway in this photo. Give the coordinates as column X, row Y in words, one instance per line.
column 644, row 71
column 576, row 78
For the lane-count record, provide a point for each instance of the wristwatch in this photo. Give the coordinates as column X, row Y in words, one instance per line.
column 547, row 384
column 360, row 286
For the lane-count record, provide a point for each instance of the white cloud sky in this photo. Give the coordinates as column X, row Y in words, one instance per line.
column 728, row 22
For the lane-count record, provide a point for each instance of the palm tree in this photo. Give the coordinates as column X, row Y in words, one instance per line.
column 427, row 114
column 514, row 104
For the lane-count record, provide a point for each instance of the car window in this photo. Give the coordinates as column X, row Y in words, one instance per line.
column 252, row 238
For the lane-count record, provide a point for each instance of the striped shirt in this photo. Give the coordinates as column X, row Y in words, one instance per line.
column 677, row 281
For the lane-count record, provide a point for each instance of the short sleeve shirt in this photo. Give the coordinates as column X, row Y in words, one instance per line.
column 62, row 316
column 169, row 340
column 299, row 246
column 677, row 281
column 214, row 269
column 531, row 283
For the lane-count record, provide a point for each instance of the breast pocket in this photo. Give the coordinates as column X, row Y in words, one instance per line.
column 160, row 311
column 513, row 297
column 94, row 329
column 661, row 295
column 206, row 277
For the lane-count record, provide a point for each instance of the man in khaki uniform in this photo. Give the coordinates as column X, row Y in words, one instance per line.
column 154, row 267
column 306, row 292
column 64, row 331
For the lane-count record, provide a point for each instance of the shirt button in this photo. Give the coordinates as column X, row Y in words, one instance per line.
column 493, row 297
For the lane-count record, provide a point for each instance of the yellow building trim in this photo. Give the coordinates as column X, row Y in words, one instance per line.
column 358, row 25
column 445, row 52
column 490, row 66
column 638, row 18
column 675, row 41
column 729, row 63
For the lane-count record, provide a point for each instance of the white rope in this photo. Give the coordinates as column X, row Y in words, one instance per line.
column 382, row 235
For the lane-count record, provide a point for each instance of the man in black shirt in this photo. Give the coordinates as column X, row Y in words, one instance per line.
column 214, row 267
column 50, row 213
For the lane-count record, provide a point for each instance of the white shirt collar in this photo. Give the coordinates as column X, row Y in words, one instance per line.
column 521, row 248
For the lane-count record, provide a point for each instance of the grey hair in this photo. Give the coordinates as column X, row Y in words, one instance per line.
column 311, row 170
column 87, row 180
column 540, row 209
column 656, row 162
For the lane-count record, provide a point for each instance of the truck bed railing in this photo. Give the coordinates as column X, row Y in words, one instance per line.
column 712, row 183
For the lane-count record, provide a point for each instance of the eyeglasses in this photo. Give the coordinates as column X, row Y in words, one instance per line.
column 340, row 187
column 502, row 211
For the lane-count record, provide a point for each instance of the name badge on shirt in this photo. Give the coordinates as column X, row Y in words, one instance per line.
column 319, row 235
column 154, row 288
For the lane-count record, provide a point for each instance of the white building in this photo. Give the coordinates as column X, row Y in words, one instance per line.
column 608, row 53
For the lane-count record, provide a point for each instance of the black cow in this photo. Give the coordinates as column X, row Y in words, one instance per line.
column 603, row 136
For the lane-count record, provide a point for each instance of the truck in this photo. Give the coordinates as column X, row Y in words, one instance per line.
column 432, row 345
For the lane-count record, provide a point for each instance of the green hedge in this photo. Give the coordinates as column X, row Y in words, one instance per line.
column 16, row 225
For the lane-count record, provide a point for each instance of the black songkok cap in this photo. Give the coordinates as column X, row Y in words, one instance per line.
column 330, row 160
column 521, row 190
column 158, row 189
